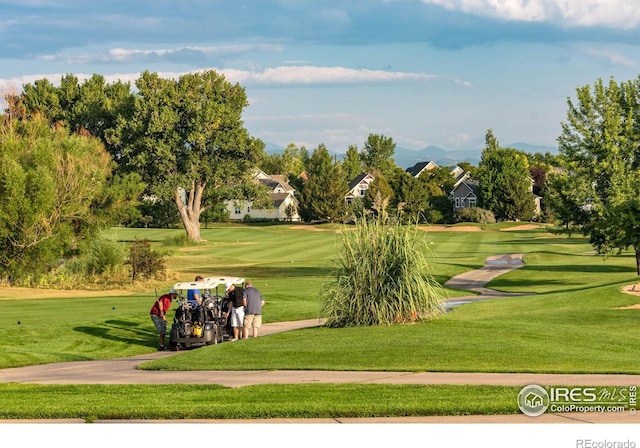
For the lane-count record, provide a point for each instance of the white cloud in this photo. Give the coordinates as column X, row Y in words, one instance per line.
column 284, row 75
column 135, row 54
column 611, row 57
column 320, row 75
column 573, row 13
column 121, row 54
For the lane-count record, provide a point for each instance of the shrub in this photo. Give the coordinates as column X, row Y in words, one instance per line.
column 381, row 277
column 145, row 263
column 104, row 255
column 475, row 214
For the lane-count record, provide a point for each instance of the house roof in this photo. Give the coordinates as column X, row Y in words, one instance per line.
column 273, row 181
column 279, row 198
column 472, row 187
column 278, row 178
column 419, row 167
column 358, row 180
column 465, row 176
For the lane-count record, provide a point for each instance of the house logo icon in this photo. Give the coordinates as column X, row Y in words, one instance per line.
column 533, row 400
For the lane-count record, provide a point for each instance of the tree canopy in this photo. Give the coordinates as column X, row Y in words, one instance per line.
column 178, row 136
column 505, row 183
column 322, row 194
column 53, row 191
column 377, row 153
column 600, row 144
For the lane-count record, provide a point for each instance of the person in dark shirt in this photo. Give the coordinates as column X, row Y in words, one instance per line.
column 236, row 309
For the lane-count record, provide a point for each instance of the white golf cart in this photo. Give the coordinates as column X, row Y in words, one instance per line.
column 205, row 324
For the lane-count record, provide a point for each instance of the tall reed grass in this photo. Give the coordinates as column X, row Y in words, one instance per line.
column 381, row 277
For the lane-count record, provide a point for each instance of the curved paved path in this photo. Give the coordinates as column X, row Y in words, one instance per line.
column 124, row 370
column 476, row 280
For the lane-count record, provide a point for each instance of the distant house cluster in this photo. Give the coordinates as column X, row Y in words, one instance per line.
column 465, row 190
column 285, row 205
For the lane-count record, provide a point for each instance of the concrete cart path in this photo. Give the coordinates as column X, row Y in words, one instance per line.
column 476, row 280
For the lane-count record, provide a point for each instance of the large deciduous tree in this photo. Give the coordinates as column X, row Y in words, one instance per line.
column 92, row 106
column 186, row 137
column 377, row 153
column 600, row 143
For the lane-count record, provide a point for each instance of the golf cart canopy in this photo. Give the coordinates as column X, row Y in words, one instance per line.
column 208, row 283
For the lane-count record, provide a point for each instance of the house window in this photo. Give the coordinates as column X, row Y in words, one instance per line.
column 457, row 202
column 362, row 192
column 472, row 202
column 238, row 211
column 248, row 209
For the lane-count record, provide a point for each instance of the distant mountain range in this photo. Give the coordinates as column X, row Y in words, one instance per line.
column 406, row 158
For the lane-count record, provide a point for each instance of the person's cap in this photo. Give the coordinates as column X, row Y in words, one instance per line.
column 228, row 285
column 173, row 291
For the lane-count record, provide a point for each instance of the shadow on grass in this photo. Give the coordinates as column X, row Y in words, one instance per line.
column 131, row 333
column 597, row 269
column 273, row 271
column 563, row 287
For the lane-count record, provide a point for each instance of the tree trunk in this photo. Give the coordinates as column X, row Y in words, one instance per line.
column 638, row 261
column 189, row 207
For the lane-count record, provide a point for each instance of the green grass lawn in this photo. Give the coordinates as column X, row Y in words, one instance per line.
column 569, row 323
column 91, row 402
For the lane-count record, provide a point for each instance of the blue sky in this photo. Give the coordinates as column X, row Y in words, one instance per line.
column 424, row 72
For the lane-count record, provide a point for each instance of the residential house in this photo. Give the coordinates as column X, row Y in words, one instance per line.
column 285, row 204
column 464, row 194
column 358, row 187
column 421, row 167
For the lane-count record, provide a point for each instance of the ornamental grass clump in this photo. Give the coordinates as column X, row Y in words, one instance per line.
column 381, row 278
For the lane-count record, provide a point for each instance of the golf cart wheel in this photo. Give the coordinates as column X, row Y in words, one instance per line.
column 219, row 334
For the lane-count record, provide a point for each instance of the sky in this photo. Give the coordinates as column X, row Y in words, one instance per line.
column 423, row 72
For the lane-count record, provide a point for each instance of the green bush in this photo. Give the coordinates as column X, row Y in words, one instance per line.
column 145, row 263
column 475, row 214
column 104, row 255
column 381, row 277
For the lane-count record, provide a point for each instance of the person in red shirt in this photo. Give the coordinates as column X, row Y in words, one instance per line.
column 158, row 315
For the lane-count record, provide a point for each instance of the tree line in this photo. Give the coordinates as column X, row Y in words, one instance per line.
column 80, row 156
